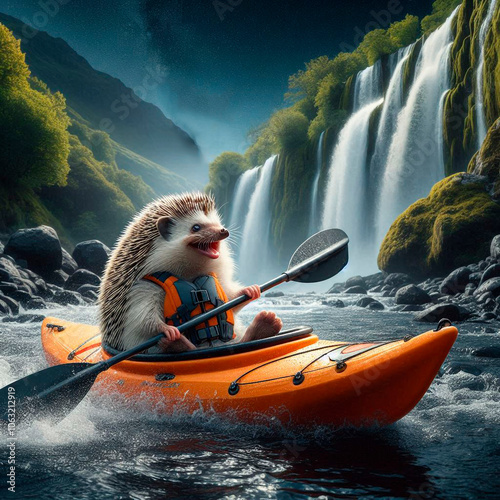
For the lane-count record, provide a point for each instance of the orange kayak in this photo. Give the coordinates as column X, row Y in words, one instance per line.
column 294, row 376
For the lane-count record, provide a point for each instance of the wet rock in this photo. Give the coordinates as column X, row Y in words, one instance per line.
column 356, row 289
column 42, row 289
column 58, row 278
column 397, row 280
column 12, row 303
column 336, row 288
column 67, row 297
column 434, row 296
column 39, row 246
column 495, row 247
column 492, row 285
column 270, row 295
column 355, row 281
column 7, row 287
column 488, row 316
column 475, row 278
column 92, row 255
column 85, row 288
column 36, row 303
column 8, row 268
column 376, row 289
column 411, row 308
column 439, row 311
column 487, row 352
column 295, row 303
column 25, row 318
column 83, row 277
column 456, row 281
column 489, row 305
column 376, row 306
column 455, row 367
column 4, row 308
column 69, row 265
column 93, row 296
column 491, row 272
column 21, row 296
column 374, row 279
column 333, row 303
column 365, row 301
column 412, row 294
column 470, row 289
column 27, row 285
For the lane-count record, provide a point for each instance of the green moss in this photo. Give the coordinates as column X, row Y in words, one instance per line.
column 347, row 98
column 450, row 228
column 491, row 82
column 410, row 66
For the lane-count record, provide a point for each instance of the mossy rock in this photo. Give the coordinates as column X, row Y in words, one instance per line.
column 450, row 228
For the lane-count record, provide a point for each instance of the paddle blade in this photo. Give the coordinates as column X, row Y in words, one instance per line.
column 48, row 394
column 320, row 257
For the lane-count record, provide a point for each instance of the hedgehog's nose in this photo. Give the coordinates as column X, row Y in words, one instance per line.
column 224, row 233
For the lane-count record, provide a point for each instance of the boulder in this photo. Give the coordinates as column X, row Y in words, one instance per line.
column 376, row 306
column 4, row 308
column 13, row 304
column 69, row 265
column 333, row 303
column 355, row 281
column 365, row 301
column 7, row 287
column 439, row 311
column 85, row 288
column 93, row 296
column 487, row 352
column 491, row 272
column 58, row 278
column 21, row 296
column 336, row 288
column 456, row 281
column 411, row 308
column 495, row 247
column 39, row 246
column 66, row 297
column 81, row 277
column 271, row 295
column 36, row 303
column 25, row 318
column 356, row 289
column 397, row 280
column 92, row 255
column 8, row 269
column 492, row 286
column 412, row 294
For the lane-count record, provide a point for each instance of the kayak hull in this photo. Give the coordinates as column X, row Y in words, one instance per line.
column 303, row 381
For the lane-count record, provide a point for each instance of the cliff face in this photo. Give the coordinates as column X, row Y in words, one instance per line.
column 106, row 104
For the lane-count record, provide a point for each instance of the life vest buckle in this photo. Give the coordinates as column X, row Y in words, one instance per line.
column 200, row 296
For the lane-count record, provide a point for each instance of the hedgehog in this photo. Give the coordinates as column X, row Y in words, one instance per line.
column 181, row 235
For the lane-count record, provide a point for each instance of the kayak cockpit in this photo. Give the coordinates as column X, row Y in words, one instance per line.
column 285, row 336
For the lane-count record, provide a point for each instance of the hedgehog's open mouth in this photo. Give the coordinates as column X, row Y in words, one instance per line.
column 210, row 250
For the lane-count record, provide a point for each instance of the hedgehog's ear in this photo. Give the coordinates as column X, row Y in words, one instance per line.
column 164, row 225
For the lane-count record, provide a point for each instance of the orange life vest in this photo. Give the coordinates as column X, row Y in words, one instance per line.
column 185, row 299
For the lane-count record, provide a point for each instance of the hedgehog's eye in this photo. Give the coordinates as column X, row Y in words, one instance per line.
column 196, row 228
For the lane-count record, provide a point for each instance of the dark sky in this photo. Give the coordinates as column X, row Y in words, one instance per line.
column 227, row 61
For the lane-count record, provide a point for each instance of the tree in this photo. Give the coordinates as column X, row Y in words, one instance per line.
column 33, row 123
column 289, row 128
column 404, row 32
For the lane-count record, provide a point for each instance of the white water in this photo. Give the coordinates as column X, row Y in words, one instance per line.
column 368, row 86
column 415, row 160
column 480, row 118
column 346, row 191
column 255, row 255
column 245, row 186
column 314, row 221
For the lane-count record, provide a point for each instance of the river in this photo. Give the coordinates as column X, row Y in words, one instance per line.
column 447, row 447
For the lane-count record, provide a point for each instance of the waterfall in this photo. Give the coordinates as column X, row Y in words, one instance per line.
column 346, row 189
column 314, row 216
column 393, row 103
column 255, row 255
column 480, row 118
column 415, row 160
column 243, row 190
column 368, row 85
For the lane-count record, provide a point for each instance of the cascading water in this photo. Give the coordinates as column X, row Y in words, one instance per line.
column 368, row 86
column 346, row 192
column 255, row 256
column 314, row 216
column 415, row 162
column 245, row 186
column 480, row 118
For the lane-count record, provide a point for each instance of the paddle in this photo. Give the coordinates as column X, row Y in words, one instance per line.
column 54, row 392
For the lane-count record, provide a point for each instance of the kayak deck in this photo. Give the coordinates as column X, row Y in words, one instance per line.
column 297, row 378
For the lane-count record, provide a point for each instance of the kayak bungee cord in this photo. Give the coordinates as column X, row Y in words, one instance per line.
column 298, row 377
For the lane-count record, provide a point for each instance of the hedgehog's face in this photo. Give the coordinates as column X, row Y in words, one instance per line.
column 197, row 236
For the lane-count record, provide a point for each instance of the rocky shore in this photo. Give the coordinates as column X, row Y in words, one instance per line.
column 36, row 272
column 470, row 292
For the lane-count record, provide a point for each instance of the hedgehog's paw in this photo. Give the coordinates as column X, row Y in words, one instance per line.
column 265, row 324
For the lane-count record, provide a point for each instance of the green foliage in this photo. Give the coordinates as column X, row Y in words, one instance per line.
column 33, row 124
column 223, row 174
column 404, row 32
column 450, row 228
column 289, row 127
column 263, row 147
column 441, row 9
